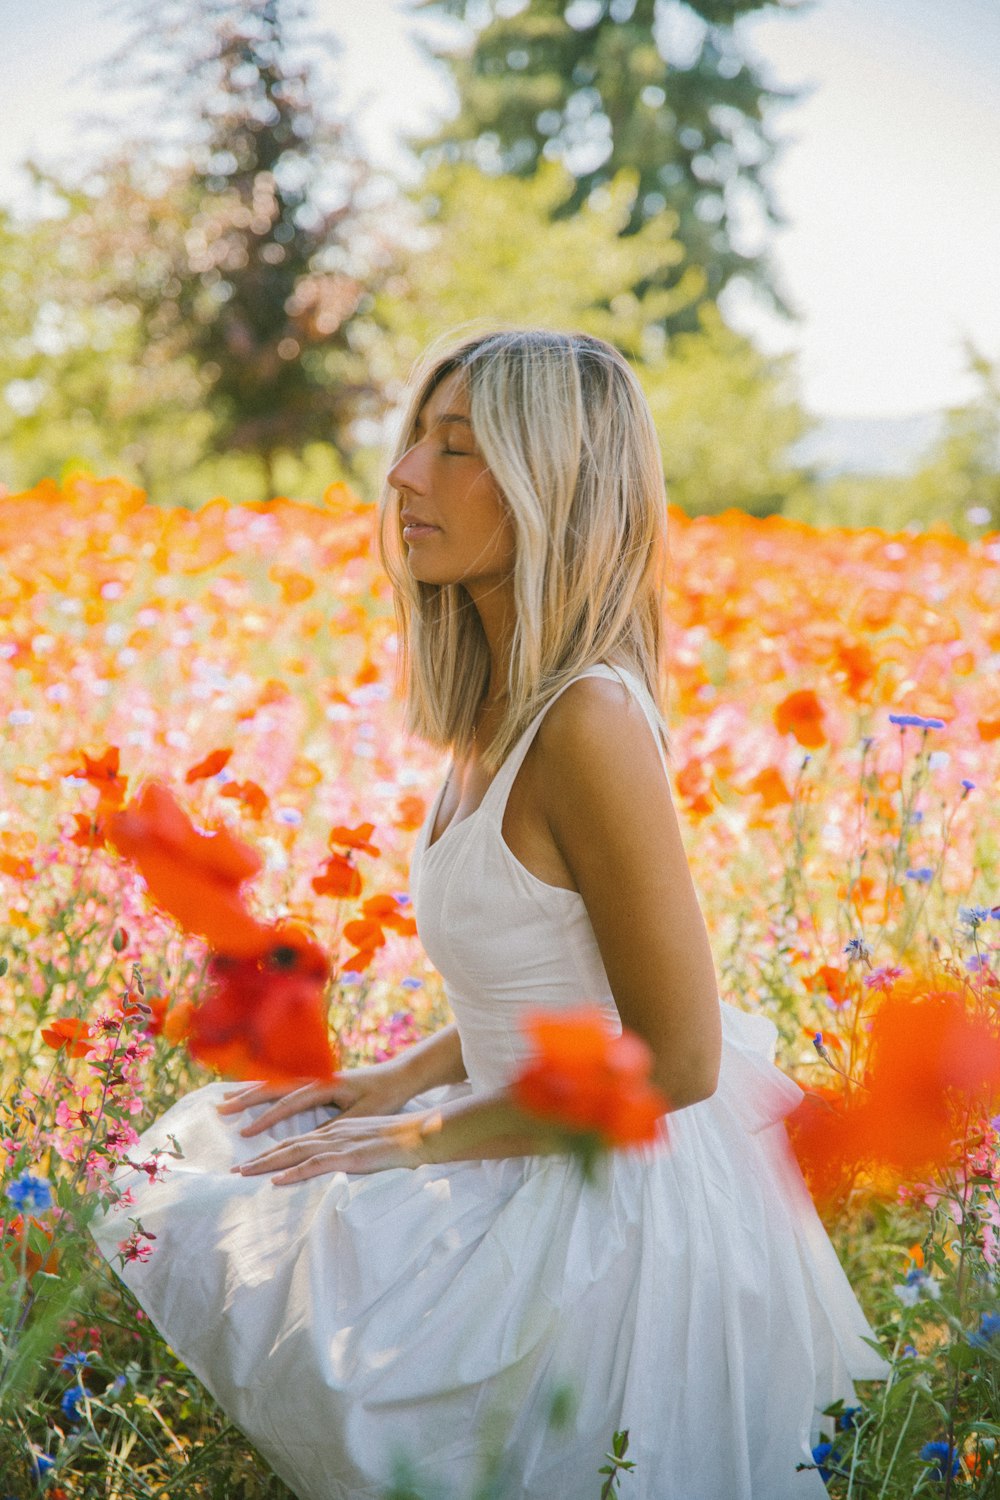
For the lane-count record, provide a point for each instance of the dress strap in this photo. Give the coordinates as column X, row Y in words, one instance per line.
column 499, row 787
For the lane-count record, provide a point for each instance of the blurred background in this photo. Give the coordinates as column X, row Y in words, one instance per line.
column 227, row 230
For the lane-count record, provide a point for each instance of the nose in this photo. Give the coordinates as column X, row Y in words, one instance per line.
column 408, row 473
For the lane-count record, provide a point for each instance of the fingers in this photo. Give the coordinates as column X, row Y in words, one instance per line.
column 290, row 1101
column 254, row 1093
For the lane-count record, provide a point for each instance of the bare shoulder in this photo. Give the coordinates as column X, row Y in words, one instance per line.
column 596, row 735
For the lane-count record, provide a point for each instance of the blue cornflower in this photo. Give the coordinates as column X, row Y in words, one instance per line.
column 970, row 786
column 973, row 915
column 820, row 1454
column 42, row 1463
column 70, row 1402
column 403, row 897
column 939, row 1454
column 915, row 721
column 848, row 1418
column 30, row 1194
column 976, row 962
column 74, row 1361
column 412, row 984
column 989, row 1329
column 858, row 948
column 923, row 874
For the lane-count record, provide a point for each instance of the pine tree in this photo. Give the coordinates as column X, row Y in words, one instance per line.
column 606, row 84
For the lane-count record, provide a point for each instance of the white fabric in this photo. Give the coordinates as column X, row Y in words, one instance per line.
column 690, row 1295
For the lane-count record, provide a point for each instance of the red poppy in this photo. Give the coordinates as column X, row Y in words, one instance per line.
column 585, row 1079
column 195, row 876
column 265, row 1016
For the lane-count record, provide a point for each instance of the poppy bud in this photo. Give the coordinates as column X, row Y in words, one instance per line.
column 120, row 939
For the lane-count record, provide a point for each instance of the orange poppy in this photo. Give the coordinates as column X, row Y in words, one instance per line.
column 44, row 1259
column 253, row 797
column 338, row 878
column 103, row 772
column 210, row 766
column 801, row 714
column 584, row 1078
column 930, row 1062
column 194, row 876
column 71, row 1033
column 410, row 812
column 354, row 838
column 387, row 911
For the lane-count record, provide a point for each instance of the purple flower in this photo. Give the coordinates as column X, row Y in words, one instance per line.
column 924, row 873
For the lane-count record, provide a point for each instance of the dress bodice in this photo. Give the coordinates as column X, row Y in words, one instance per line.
column 502, row 939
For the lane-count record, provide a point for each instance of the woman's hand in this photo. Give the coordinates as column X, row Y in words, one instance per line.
column 358, row 1144
column 381, row 1089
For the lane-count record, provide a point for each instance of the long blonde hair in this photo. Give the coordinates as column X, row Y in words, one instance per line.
column 567, row 434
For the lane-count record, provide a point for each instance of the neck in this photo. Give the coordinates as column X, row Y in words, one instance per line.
column 494, row 604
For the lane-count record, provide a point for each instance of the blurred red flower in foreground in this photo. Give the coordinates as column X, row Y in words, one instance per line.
column 263, row 1013
column 194, row 876
column 585, row 1079
column 264, row 1017
column 933, row 1070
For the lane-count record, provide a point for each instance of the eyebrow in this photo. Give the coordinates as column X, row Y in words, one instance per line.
column 448, row 416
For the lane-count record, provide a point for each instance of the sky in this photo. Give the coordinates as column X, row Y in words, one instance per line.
column 888, row 175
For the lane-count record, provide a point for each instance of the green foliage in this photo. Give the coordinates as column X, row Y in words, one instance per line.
column 602, row 86
column 724, row 412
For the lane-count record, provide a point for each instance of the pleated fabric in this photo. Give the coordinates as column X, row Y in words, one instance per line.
column 689, row 1294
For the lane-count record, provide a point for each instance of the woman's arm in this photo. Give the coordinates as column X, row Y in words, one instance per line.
column 607, row 801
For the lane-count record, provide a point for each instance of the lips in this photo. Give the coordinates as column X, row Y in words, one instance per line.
column 408, row 519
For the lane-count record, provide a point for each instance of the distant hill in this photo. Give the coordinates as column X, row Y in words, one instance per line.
column 868, row 445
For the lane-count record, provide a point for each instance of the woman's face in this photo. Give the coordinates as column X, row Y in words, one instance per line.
column 455, row 525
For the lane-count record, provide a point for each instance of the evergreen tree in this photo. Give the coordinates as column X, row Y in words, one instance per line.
column 606, row 84
column 263, row 285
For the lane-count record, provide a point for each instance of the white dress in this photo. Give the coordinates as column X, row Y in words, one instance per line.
column 690, row 1295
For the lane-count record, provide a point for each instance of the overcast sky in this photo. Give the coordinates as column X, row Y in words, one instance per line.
column 890, row 178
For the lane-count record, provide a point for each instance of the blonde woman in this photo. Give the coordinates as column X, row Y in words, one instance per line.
column 395, row 1266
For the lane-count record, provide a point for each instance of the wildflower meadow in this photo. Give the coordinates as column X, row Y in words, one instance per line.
column 166, row 674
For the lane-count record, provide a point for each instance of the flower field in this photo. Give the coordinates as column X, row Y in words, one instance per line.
column 835, row 711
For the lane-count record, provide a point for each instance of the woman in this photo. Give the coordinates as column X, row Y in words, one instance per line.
column 432, row 1274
